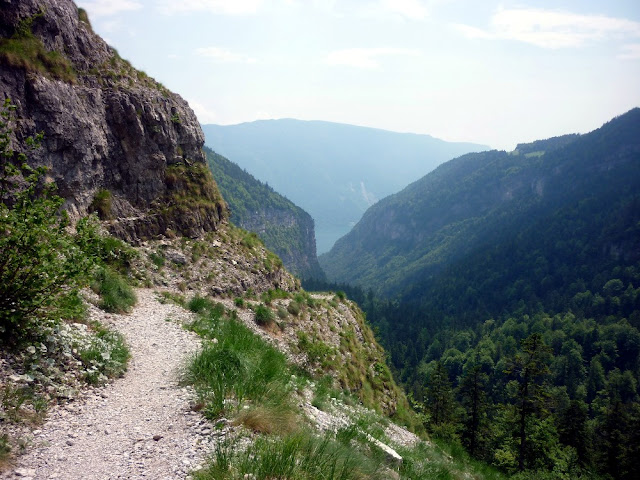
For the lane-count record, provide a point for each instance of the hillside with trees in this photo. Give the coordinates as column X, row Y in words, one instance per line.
column 333, row 171
column 284, row 227
column 506, row 288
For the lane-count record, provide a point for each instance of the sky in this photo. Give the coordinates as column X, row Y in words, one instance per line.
column 492, row 72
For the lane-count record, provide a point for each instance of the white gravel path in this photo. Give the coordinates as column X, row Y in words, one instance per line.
column 138, row 427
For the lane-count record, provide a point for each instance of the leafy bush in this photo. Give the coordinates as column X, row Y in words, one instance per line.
column 293, row 308
column 106, row 356
column 117, row 295
column 39, row 259
column 102, row 204
column 5, row 449
column 157, row 259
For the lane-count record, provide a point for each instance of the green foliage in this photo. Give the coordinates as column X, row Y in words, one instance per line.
column 316, row 350
column 264, row 316
column 293, row 308
column 25, row 51
column 39, row 259
column 301, row 456
column 83, row 16
column 101, row 204
column 199, row 304
column 5, row 449
column 255, row 206
column 117, row 295
column 271, row 295
column 157, row 259
column 70, row 306
column 240, row 366
column 105, row 357
column 191, row 187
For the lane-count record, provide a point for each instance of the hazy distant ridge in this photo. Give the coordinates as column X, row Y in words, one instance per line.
column 333, row 171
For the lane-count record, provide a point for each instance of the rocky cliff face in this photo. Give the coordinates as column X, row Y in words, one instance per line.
column 284, row 227
column 299, row 256
column 115, row 140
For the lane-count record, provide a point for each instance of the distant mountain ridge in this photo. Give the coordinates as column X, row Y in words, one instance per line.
column 478, row 200
column 333, row 171
column 285, row 228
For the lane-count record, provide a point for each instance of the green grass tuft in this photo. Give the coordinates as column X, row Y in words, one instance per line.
column 264, row 316
column 301, row 456
column 240, row 366
column 117, row 295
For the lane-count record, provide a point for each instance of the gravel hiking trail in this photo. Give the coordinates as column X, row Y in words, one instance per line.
column 139, row 426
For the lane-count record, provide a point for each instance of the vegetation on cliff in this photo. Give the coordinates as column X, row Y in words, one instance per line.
column 521, row 314
column 285, row 228
column 333, row 171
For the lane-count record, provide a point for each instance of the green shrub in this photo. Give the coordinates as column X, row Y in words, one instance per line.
column 239, row 302
column 250, row 240
column 102, row 204
column 70, row 306
column 316, row 350
column 117, row 295
column 39, row 258
column 199, row 304
column 157, row 259
column 105, row 357
column 263, row 316
column 5, row 449
column 83, row 16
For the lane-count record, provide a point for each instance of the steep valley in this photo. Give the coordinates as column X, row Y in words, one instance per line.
column 272, row 367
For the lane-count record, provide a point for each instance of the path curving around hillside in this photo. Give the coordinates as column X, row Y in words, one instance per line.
column 138, row 427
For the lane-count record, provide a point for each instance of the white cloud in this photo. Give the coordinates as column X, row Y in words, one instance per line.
column 551, row 28
column 262, row 115
column 105, row 8
column 365, row 57
column 204, row 114
column 630, row 52
column 411, row 9
column 219, row 7
column 224, row 55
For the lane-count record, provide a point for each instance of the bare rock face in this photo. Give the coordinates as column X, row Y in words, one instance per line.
column 110, row 131
column 299, row 256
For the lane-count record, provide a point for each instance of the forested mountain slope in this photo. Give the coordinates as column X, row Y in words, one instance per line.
column 478, row 201
column 333, row 171
column 285, row 228
column 513, row 309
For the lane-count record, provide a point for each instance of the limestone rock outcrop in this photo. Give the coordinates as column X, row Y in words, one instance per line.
column 111, row 133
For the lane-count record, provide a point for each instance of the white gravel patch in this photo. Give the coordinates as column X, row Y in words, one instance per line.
column 138, row 427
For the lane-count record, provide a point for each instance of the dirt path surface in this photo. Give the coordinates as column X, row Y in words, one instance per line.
column 140, row 426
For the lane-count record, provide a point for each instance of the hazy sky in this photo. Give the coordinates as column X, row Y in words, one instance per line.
column 485, row 71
